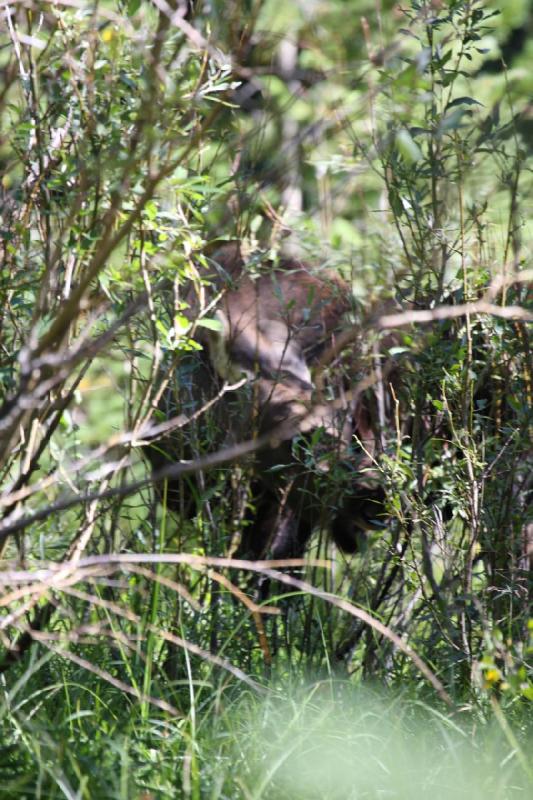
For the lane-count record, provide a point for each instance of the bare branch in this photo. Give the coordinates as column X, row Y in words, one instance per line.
column 452, row 312
column 267, row 568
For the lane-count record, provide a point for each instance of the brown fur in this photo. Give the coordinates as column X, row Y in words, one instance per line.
column 274, row 326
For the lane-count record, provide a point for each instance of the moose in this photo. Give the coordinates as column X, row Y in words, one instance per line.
column 273, row 328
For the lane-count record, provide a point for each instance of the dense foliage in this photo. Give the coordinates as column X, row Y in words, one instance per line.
column 391, row 144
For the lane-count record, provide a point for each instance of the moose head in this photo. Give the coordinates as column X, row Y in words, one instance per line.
column 273, row 328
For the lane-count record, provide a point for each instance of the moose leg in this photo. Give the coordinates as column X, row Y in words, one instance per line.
column 273, row 528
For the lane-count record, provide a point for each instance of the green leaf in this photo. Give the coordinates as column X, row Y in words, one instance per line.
column 210, row 323
column 395, row 203
column 407, row 147
column 181, row 324
column 452, row 122
column 464, row 101
column 150, row 210
column 416, row 131
column 161, row 328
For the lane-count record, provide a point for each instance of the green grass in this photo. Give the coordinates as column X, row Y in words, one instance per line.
column 76, row 736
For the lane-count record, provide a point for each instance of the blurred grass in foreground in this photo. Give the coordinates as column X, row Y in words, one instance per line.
column 337, row 743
